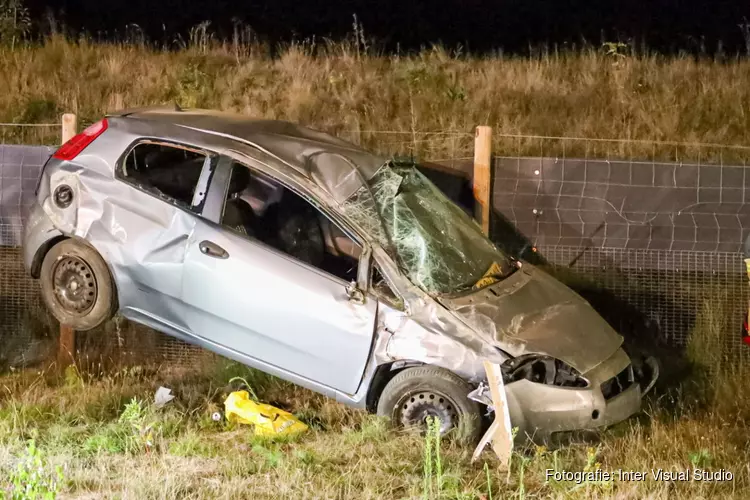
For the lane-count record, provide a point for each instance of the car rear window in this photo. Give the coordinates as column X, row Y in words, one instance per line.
column 169, row 171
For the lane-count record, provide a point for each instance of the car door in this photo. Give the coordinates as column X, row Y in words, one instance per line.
column 150, row 222
column 285, row 315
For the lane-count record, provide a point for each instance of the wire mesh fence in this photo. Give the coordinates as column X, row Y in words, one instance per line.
column 659, row 296
column 27, row 332
column 652, row 229
column 641, row 151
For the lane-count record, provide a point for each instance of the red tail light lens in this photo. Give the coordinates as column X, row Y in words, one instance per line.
column 73, row 147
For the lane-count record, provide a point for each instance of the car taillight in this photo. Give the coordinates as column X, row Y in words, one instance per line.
column 78, row 143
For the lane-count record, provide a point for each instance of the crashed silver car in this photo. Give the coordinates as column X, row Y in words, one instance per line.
column 308, row 258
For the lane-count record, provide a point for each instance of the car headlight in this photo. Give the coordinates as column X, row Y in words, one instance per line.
column 542, row 370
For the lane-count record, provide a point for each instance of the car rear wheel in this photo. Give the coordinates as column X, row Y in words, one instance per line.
column 416, row 394
column 77, row 287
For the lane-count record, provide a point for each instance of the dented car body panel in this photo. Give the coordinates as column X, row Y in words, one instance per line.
column 532, row 312
column 266, row 309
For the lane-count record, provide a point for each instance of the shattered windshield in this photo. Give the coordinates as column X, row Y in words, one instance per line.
column 440, row 248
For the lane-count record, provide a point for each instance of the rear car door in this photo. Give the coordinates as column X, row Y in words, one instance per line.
column 271, row 282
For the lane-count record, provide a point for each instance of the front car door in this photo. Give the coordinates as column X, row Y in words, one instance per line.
column 257, row 284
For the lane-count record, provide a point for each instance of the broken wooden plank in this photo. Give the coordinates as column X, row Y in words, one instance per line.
column 500, row 434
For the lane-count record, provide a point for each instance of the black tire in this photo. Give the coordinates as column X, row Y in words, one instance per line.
column 77, row 286
column 418, row 392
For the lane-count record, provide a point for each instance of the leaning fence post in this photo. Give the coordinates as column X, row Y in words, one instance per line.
column 67, row 346
column 482, row 175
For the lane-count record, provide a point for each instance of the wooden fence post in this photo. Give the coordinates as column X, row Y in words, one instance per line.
column 67, row 346
column 69, row 126
column 482, row 175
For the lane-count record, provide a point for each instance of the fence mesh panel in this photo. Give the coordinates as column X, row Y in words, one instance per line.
column 650, row 230
column 659, row 295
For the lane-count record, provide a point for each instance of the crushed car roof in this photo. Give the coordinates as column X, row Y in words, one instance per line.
column 337, row 166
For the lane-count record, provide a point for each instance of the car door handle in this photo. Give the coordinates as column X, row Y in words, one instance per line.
column 213, row 250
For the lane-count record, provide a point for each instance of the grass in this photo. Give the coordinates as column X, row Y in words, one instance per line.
column 427, row 102
column 97, row 435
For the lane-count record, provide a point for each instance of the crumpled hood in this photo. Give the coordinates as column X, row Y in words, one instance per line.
column 531, row 312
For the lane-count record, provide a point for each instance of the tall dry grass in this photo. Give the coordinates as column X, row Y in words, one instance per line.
column 348, row 89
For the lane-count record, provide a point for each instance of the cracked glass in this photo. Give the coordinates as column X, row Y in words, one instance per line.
column 439, row 247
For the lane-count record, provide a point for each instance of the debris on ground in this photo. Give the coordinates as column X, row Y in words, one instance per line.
column 267, row 420
column 162, row 397
column 500, row 434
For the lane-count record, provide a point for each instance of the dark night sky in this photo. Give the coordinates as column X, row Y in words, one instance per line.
column 513, row 25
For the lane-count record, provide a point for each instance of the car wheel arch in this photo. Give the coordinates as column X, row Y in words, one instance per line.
column 383, row 374
column 41, row 253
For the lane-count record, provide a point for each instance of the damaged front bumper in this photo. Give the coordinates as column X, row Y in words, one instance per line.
column 539, row 412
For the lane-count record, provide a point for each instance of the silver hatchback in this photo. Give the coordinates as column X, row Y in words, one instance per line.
column 313, row 260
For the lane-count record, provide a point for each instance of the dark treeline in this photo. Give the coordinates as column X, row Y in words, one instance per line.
column 665, row 26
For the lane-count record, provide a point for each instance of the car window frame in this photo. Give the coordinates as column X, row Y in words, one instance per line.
column 208, row 172
column 223, row 173
column 399, row 307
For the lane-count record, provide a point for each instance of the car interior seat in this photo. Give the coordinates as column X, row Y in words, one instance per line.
column 238, row 214
column 336, row 241
column 298, row 231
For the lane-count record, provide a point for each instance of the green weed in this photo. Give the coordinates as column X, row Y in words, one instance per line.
column 32, row 478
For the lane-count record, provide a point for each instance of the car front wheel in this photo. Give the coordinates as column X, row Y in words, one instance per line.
column 76, row 285
column 416, row 394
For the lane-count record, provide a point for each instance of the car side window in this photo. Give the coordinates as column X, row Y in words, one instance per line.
column 260, row 208
column 168, row 171
column 380, row 287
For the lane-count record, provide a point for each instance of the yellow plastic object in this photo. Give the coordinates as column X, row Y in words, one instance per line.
column 488, row 278
column 266, row 419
